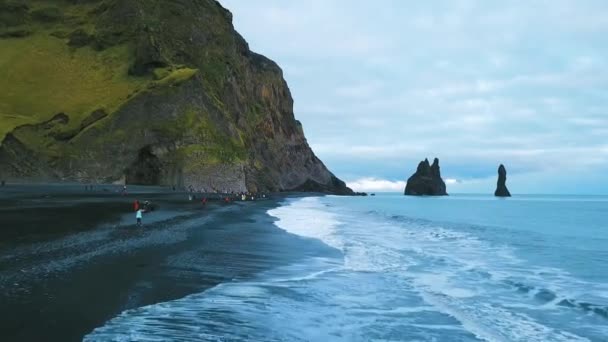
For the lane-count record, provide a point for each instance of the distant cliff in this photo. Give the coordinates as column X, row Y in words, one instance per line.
column 146, row 92
column 501, row 184
column 426, row 181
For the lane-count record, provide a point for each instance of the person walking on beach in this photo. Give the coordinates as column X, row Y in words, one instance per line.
column 138, row 216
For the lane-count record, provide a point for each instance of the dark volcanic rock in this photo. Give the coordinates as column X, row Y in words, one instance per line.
column 336, row 186
column 501, row 185
column 426, row 181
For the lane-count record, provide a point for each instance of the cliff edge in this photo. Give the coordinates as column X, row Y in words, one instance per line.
column 146, row 92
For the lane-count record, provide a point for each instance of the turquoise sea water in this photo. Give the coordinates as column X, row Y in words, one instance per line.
column 395, row 268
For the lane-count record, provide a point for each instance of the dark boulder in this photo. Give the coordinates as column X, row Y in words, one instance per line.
column 93, row 118
column 426, row 181
column 13, row 13
column 47, row 14
column 79, row 38
column 501, row 185
column 15, row 33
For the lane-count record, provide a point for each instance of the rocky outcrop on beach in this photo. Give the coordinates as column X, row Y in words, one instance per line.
column 146, row 92
column 501, row 184
column 426, row 181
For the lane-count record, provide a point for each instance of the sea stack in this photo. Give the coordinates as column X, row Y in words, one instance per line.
column 426, row 181
column 501, row 184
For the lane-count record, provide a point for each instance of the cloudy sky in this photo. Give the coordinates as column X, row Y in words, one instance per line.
column 380, row 85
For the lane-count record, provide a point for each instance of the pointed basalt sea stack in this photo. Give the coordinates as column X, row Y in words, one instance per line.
column 426, row 181
column 501, row 184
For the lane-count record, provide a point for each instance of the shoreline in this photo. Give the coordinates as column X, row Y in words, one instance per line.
column 63, row 277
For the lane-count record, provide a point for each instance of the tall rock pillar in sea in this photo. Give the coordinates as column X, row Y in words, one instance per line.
column 426, row 181
column 501, row 184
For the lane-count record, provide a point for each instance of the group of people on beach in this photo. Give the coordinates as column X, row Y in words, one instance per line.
column 230, row 197
column 225, row 197
column 140, row 209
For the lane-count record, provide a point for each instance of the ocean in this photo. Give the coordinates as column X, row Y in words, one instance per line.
column 395, row 268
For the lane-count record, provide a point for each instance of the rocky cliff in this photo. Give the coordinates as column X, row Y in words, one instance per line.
column 426, row 181
column 146, row 92
column 501, row 184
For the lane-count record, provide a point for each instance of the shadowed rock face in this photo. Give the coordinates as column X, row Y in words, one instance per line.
column 501, row 185
column 426, row 181
column 187, row 102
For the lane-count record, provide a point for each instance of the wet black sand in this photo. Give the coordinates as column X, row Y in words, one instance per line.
column 71, row 260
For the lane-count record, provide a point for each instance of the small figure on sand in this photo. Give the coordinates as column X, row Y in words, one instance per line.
column 136, row 205
column 148, row 206
column 138, row 216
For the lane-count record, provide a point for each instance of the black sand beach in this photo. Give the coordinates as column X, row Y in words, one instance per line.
column 72, row 259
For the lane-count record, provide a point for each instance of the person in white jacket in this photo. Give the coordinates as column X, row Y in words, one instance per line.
column 138, row 216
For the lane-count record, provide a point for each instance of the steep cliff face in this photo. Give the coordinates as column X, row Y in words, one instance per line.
column 426, row 181
column 501, row 184
column 146, row 92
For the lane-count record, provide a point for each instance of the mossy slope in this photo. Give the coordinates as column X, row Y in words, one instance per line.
column 108, row 90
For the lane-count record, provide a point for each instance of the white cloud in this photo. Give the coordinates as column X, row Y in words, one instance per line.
column 370, row 152
column 375, row 184
column 370, row 184
column 474, row 82
column 360, row 90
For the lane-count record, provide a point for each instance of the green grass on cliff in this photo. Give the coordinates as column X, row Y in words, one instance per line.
column 209, row 145
column 171, row 78
column 41, row 76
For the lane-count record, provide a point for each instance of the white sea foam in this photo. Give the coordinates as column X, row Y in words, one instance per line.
column 305, row 217
column 398, row 276
column 493, row 323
